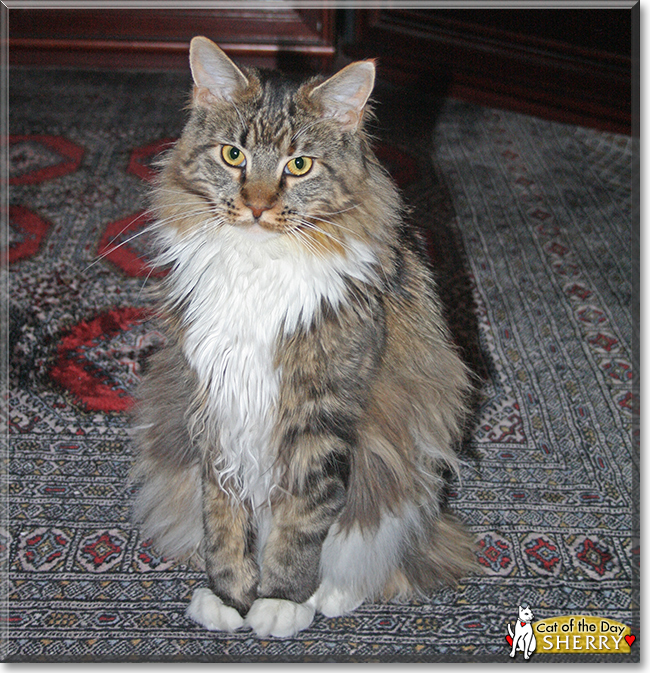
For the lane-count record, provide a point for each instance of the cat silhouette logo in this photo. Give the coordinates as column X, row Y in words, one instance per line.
column 523, row 638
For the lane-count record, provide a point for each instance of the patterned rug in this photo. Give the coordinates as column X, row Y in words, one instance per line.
column 529, row 225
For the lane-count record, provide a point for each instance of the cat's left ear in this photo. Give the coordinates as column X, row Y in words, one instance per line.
column 344, row 95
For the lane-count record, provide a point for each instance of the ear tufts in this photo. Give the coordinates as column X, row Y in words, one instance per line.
column 344, row 95
column 213, row 72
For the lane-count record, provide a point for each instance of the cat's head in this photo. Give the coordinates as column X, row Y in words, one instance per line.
column 525, row 613
column 265, row 153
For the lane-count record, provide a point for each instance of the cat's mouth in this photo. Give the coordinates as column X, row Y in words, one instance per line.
column 267, row 226
column 260, row 229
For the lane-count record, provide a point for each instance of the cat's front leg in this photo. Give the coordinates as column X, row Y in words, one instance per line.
column 228, row 549
column 291, row 558
column 279, row 617
column 327, row 373
column 529, row 647
column 212, row 613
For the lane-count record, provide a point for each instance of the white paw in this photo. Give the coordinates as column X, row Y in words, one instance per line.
column 209, row 611
column 334, row 602
column 279, row 618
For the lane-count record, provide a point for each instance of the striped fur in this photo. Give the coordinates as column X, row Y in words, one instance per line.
column 294, row 433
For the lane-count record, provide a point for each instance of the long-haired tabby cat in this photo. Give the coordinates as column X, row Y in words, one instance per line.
column 294, row 431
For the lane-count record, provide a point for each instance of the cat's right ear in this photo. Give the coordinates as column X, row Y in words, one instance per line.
column 215, row 75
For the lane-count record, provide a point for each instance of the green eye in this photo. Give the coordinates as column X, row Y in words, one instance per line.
column 232, row 156
column 299, row 166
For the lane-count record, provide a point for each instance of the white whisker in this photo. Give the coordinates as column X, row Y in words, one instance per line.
column 152, row 226
column 364, row 288
column 342, row 242
column 109, row 251
column 306, row 128
column 241, row 119
column 344, row 210
column 151, row 270
column 314, row 227
column 338, row 225
column 307, row 243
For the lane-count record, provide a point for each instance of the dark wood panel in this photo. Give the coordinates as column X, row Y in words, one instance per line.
column 574, row 65
column 160, row 38
column 601, row 30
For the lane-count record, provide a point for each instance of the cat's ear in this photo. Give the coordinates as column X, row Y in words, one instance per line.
column 213, row 72
column 344, row 95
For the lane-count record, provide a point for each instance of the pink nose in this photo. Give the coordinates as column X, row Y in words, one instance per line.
column 258, row 210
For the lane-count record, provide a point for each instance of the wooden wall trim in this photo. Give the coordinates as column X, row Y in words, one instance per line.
column 160, row 39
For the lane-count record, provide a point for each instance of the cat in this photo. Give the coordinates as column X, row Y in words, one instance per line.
column 294, row 433
column 523, row 639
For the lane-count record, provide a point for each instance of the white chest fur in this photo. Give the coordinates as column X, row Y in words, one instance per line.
column 240, row 289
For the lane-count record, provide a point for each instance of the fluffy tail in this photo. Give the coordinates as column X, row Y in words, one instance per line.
column 441, row 553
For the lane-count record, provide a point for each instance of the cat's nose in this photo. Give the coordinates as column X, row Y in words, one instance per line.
column 257, row 210
column 259, row 197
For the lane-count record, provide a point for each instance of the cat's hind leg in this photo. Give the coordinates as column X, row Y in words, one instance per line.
column 359, row 564
column 334, row 601
column 167, row 469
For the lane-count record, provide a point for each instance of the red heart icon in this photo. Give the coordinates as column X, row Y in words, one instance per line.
column 509, row 639
column 630, row 639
